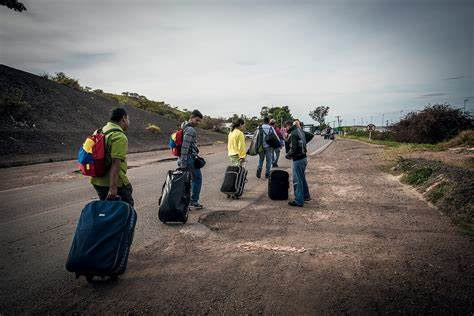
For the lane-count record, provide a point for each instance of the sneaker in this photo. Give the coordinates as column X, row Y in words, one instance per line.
column 196, row 206
column 307, row 199
column 293, row 203
column 275, row 165
column 259, row 174
column 267, row 176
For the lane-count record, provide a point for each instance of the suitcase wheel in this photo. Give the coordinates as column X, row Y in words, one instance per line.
column 89, row 278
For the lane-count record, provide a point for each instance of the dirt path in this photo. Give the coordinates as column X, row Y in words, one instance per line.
column 366, row 244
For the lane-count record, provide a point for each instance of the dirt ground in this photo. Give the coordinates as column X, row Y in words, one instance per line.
column 365, row 244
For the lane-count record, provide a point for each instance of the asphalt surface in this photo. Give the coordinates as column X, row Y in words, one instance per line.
column 37, row 224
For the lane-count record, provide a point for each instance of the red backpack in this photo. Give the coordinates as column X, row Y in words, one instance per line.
column 92, row 154
column 175, row 142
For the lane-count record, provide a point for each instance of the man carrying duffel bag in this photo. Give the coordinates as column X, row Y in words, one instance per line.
column 296, row 151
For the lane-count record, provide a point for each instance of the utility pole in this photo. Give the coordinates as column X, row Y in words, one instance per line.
column 383, row 116
column 387, row 123
column 354, row 122
column 338, row 122
column 465, row 100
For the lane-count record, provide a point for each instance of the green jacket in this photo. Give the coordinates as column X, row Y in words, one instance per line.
column 117, row 148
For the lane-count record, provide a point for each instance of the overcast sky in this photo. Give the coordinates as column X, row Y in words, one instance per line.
column 360, row 57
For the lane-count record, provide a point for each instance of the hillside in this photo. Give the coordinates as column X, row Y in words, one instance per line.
column 45, row 121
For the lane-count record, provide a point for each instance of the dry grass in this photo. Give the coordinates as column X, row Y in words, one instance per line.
column 464, row 139
column 154, row 129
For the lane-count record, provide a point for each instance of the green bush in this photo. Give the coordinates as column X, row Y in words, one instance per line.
column 417, row 176
column 12, row 103
column 63, row 79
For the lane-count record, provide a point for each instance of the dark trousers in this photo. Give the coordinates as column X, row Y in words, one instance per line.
column 125, row 193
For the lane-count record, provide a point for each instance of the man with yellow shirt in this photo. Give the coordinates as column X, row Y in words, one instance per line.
column 115, row 182
column 236, row 143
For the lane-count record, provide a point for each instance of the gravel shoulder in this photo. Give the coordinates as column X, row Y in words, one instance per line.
column 365, row 244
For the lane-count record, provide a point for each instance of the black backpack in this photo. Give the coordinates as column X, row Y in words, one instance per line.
column 272, row 139
column 278, row 185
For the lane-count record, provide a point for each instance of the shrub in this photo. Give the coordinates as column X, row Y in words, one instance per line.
column 154, row 129
column 434, row 124
column 418, row 176
column 12, row 103
column 63, row 79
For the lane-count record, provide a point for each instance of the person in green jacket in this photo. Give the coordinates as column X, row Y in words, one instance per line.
column 236, row 143
column 115, row 183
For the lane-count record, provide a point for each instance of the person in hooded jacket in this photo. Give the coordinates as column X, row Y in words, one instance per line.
column 267, row 153
column 296, row 152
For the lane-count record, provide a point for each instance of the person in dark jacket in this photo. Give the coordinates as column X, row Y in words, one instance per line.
column 295, row 146
column 189, row 151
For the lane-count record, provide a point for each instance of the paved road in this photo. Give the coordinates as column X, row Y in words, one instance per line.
column 37, row 225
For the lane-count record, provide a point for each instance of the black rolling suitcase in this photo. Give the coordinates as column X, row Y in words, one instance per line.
column 278, row 185
column 234, row 181
column 175, row 197
column 102, row 240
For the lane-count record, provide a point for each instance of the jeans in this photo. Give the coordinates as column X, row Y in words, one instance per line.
column 235, row 160
column 300, row 185
column 276, row 156
column 196, row 181
column 125, row 193
column 268, row 155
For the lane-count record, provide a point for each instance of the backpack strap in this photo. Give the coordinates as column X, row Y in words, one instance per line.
column 111, row 131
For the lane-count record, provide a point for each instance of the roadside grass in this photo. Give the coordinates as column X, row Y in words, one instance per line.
column 449, row 188
column 394, row 144
column 441, row 190
column 464, row 139
column 417, row 176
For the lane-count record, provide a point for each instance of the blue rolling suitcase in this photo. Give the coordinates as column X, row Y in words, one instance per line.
column 102, row 240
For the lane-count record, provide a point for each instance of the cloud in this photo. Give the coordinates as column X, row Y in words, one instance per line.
column 430, row 95
column 246, row 63
column 454, row 78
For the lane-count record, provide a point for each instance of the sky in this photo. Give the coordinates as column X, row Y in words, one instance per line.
column 362, row 58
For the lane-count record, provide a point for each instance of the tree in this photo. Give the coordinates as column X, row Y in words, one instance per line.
column 278, row 113
column 251, row 124
column 13, row 4
column 319, row 114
